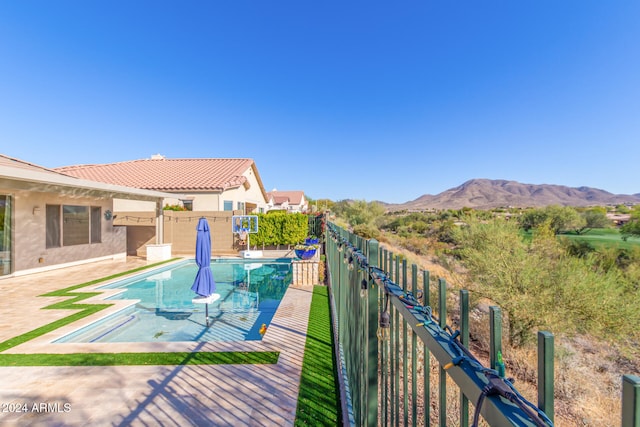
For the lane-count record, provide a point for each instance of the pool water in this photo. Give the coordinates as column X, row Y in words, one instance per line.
column 250, row 293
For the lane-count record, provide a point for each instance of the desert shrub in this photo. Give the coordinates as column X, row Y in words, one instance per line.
column 539, row 285
column 577, row 248
column 443, row 231
column 366, row 231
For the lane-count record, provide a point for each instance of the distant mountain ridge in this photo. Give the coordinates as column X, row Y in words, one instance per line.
column 493, row 193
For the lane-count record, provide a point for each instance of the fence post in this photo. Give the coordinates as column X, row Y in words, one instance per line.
column 372, row 340
column 495, row 335
column 427, row 357
column 405, row 349
column 630, row 401
column 414, row 354
column 442, row 315
column 393, row 354
column 464, row 340
column 385, row 351
column 396, row 332
column 545, row 373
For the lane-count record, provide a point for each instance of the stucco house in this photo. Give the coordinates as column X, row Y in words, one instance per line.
column 51, row 220
column 207, row 184
column 290, row 201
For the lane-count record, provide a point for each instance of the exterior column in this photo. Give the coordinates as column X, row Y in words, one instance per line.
column 159, row 223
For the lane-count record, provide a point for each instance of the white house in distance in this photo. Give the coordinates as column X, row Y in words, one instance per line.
column 290, row 201
column 51, row 220
column 206, row 184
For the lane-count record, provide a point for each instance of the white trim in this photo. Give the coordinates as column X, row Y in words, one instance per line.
column 54, row 178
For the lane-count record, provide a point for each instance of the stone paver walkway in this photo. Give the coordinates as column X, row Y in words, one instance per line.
column 205, row 395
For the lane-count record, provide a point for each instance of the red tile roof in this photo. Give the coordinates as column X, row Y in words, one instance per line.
column 293, row 197
column 168, row 174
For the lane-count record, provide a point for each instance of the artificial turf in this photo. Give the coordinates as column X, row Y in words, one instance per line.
column 139, row 359
column 111, row 359
column 318, row 400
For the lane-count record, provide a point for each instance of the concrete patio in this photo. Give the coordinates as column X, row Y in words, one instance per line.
column 213, row 395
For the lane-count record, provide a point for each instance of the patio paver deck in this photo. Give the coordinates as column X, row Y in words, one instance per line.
column 186, row 395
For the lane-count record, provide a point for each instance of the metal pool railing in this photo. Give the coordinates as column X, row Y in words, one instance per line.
column 401, row 364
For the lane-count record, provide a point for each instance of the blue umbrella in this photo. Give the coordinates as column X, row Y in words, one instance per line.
column 204, row 285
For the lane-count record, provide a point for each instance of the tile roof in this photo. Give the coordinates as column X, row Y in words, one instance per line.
column 39, row 178
column 168, row 174
column 294, row 197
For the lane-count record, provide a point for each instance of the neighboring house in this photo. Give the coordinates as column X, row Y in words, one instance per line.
column 207, row 184
column 290, row 201
column 51, row 220
column 619, row 219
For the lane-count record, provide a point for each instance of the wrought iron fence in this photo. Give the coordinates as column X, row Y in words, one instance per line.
column 402, row 364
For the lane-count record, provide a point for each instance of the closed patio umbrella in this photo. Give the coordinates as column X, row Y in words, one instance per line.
column 204, row 284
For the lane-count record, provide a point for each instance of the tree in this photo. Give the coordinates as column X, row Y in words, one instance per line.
column 561, row 218
column 623, row 209
column 594, row 218
column 532, row 218
column 564, row 218
column 632, row 228
column 503, row 268
column 538, row 284
column 359, row 211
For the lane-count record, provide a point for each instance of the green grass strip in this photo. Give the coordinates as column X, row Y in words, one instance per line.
column 139, row 359
column 318, row 400
column 71, row 304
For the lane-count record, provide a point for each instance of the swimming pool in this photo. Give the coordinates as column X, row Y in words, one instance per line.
column 250, row 293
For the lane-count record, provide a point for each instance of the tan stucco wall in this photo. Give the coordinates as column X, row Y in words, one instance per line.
column 121, row 205
column 180, row 231
column 254, row 194
column 207, row 202
column 29, row 242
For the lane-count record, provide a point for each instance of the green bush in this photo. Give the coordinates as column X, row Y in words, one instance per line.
column 280, row 229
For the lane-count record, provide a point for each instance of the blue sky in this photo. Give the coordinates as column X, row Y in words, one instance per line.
column 342, row 99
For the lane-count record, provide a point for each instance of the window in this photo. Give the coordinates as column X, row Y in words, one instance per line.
column 53, row 226
column 188, row 204
column 96, row 224
column 241, row 206
column 75, row 225
column 228, row 205
column 70, row 225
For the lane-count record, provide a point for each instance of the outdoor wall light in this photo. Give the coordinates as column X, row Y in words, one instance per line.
column 108, row 215
column 363, row 288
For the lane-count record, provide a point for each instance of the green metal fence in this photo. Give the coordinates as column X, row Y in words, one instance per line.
column 403, row 365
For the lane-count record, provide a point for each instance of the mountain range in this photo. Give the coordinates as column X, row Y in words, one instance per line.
column 493, row 193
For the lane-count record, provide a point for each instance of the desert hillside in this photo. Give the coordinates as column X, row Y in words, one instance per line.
column 487, row 194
